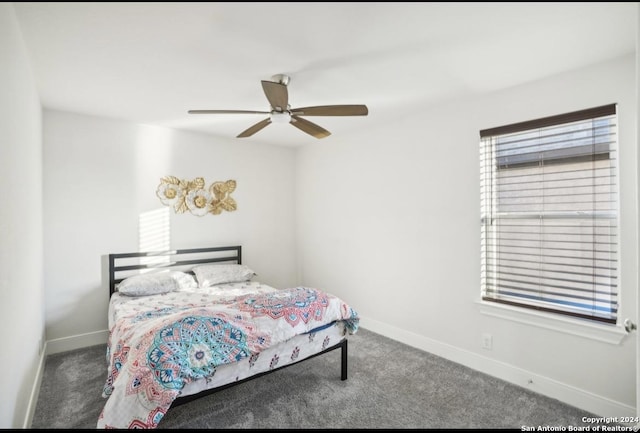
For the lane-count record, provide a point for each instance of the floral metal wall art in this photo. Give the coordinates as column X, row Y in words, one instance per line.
column 191, row 195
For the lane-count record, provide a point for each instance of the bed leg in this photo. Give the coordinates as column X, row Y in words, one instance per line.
column 343, row 374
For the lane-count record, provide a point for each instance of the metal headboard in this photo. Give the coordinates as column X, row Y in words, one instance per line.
column 123, row 265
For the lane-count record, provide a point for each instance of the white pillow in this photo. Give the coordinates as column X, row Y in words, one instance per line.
column 155, row 284
column 213, row 274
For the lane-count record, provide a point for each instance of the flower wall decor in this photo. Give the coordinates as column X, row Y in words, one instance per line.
column 191, row 195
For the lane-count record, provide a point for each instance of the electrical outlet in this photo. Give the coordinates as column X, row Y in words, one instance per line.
column 487, row 341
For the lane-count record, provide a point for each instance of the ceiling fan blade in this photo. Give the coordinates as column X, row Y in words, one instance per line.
column 255, row 128
column 332, row 110
column 309, row 127
column 226, row 112
column 277, row 95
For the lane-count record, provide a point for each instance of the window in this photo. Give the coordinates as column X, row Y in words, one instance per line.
column 550, row 214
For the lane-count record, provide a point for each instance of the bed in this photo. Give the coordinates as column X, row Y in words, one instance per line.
column 186, row 323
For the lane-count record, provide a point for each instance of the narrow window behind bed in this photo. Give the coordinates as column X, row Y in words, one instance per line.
column 550, row 214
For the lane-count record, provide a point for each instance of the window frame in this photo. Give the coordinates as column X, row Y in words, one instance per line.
column 564, row 156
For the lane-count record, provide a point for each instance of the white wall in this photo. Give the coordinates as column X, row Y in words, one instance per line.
column 638, row 221
column 390, row 221
column 21, row 286
column 101, row 174
column 637, row 211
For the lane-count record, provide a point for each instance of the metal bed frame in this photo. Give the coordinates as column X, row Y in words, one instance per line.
column 123, row 265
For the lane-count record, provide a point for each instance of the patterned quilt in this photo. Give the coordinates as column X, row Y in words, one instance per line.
column 153, row 353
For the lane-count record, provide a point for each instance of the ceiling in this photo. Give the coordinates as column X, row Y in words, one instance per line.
column 150, row 62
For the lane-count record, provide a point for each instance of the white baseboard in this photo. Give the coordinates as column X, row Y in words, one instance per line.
column 568, row 394
column 76, row 342
column 35, row 391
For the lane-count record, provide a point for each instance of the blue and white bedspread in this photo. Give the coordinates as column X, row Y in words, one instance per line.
column 159, row 344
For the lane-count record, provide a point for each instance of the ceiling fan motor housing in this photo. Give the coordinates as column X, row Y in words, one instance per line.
column 280, row 116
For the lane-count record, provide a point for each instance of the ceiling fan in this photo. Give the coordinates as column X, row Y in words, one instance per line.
column 281, row 112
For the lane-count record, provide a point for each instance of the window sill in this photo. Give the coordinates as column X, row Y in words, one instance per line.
column 612, row 334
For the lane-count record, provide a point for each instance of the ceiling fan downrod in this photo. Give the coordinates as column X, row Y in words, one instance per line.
column 281, row 79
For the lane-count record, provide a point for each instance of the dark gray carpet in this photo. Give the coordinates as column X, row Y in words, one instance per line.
column 390, row 385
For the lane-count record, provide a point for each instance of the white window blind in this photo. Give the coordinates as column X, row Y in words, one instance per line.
column 549, row 198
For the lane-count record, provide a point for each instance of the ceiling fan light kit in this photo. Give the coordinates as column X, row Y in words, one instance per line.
column 281, row 112
column 280, row 117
